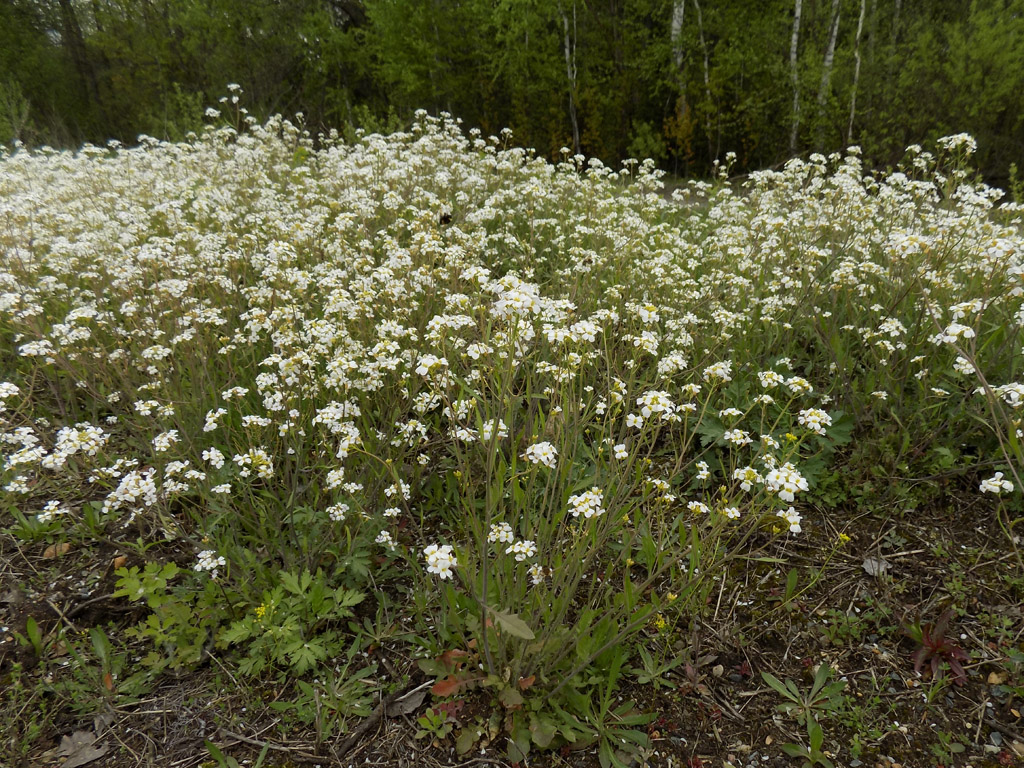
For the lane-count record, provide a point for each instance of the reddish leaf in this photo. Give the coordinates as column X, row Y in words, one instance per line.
column 449, row 658
column 446, row 687
column 526, row 682
column 108, row 681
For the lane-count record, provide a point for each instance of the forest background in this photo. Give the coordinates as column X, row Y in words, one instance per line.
column 680, row 81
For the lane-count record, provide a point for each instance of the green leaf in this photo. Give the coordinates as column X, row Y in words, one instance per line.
column 841, row 431
column 815, row 734
column 101, row 644
column 778, row 685
column 512, row 624
column 794, row 750
column 291, row 582
column 466, row 739
column 237, row 632
column 510, row 698
column 542, row 731
column 710, row 430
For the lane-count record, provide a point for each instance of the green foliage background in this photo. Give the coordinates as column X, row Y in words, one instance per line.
column 91, row 70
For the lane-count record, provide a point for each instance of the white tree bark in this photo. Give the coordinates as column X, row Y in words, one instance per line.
column 794, row 43
column 676, row 33
column 570, row 72
column 826, row 73
column 856, row 73
column 707, row 80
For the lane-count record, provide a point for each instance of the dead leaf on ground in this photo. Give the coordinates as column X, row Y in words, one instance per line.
column 56, row 550
column 119, row 562
column 875, row 566
column 407, row 704
column 79, row 749
column 996, row 678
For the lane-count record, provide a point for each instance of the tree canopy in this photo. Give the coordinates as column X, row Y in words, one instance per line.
column 681, row 81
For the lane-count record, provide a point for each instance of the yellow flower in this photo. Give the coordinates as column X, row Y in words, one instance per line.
column 671, row 597
column 843, row 538
column 791, row 437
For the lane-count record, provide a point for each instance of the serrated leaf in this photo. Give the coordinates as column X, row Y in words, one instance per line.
column 290, row 582
column 710, row 430
column 841, row 431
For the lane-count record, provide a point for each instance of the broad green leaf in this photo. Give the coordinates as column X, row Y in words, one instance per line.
column 512, row 624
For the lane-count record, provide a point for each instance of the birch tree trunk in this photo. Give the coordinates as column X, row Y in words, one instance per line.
column 707, row 81
column 676, row 36
column 856, row 73
column 826, row 75
column 795, row 74
column 570, row 72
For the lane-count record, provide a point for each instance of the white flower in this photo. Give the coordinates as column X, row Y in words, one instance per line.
column 501, row 533
column 737, row 437
column 996, row 485
column 215, row 457
column 721, row 372
column 337, row 512
column 785, row 481
column 815, row 420
column 430, row 364
column 536, row 572
column 522, row 550
column 440, row 560
column 790, row 516
column 747, row 476
column 620, row 451
column 588, row 503
column 703, row 471
column 542, row 453
column 209, row 560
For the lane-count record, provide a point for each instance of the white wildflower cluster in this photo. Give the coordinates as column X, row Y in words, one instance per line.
column 7, row 390
column 501, row 533
column 1012, row 394
column 82, row 438
column 815, row 420
column 657, row 403
column 720, row 372
column 522, row 550
column 440, row 560
column 235, row 316
column 137, row 489
column 255, row 460
column 786, row 481
column 792, row 519
column 51, row 511
column 748, row 477
column 542, row 453
column 208, row 560
column 589, row 503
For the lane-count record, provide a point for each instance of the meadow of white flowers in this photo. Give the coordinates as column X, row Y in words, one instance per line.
column 541, row 400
